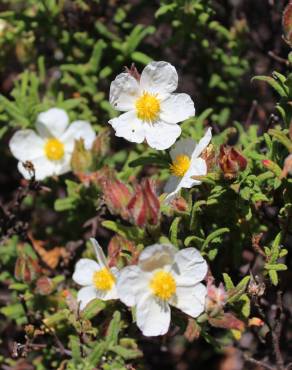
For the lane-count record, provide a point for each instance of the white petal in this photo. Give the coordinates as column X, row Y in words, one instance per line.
column 107, row 295
column 85, row 295
column 177, row 108
column 182, row 146
column 203, row 143
column 156, row 256
column 99, row 253
column 159, row 78
column 131, row 284
column 42, row 166
column 52, row 123
column 198, row 167
column 129, row 127
column 84, row 270
column 171, row 184
column 26, row 145
column 78, row 130
column 189, row 267
column 124, row 91
column 63, row 165
column 161, row 135
column 153, row 316
column 191, row 299
column 171, row 196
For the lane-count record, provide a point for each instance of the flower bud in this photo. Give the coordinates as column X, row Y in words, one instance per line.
column 101, row 144
column 44, row 286
column 216, row 298
column 81, row 159
column 231, row 161
column 287, row 23
column 144, row 207
column 116, row 196
column 287, row 169
column 26, row 268
column 179, row 204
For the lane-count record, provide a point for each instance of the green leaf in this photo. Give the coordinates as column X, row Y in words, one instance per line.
column 173, row 231
column 126, row 353
column 129, row 232
column 273, row 83
column 93, row 308
column 274, row 277
column 114, row 329
column 228, row 282
column 214, row 235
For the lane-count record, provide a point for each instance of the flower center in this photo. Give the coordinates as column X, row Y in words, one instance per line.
column 148, row 107
column 180, row 165
column 163, row 285
column 54, row 149
column 103, row 279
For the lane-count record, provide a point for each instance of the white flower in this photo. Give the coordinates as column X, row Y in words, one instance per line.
column 186, row 162
column 50, row 149
column 152, row 111
column 163, row 277
column 97, row 278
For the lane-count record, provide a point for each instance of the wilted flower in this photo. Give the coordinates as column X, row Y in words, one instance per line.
column 152, row 111
column 144, row 207
column 50, row 149
column 231, row 161
column 163, row 277
column 97, row 278
column 186, row 163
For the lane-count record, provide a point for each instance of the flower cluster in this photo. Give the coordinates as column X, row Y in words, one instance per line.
column 163, row 277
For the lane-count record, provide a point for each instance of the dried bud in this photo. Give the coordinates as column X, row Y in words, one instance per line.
column 81, row 159
column 192, row 331
column 44, row 286
column 101, row 144
column 116, row 246
column 133, row 72
column 231, row 161
column 116, row 196
column 287, row 169
column 287, row 23
column 209, row 156
column 255, row 288
column 216, row 298
column 27, row 268
column 227, row 321
column 144, row 207
column 179, row 204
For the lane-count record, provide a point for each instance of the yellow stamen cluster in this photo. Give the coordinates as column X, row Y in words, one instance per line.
column 148, row 107
column 163, row 285
column 103, row 279
column 54, row 149
column 180, row 165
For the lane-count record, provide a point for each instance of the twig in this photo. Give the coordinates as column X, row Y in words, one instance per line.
column 278, row 59
column 276, row 333
column 251, row 113
column 257, row 362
